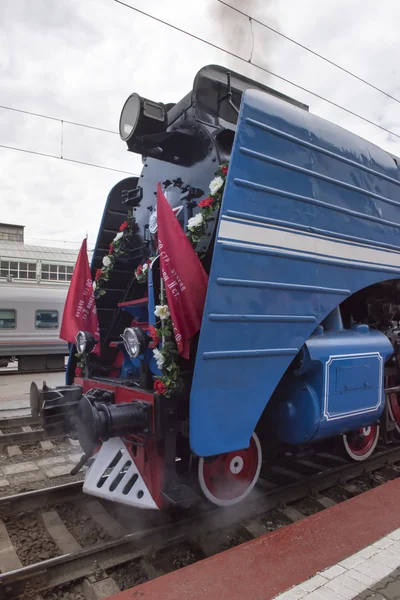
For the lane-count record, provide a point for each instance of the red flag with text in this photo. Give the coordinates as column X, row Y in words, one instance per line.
column 185, row 280
column 80, row 313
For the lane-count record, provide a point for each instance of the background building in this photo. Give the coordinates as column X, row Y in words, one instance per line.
column 33, row 264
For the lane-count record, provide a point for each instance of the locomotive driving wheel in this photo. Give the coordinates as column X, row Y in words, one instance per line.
column 228, row 478
column 360, row 444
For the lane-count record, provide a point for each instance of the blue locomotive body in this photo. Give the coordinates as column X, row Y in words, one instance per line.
column 300, row 336
column 310, row 215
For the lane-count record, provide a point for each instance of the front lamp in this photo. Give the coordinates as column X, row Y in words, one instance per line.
column 135, row 341
column 85, row 342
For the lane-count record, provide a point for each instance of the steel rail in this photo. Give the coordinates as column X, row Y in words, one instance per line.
column 63, row 569
column 36, row 499
column 26, row 437
column 19, row 421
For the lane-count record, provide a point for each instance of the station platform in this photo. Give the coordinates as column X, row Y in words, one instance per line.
column 14, row 390
column 351, row 550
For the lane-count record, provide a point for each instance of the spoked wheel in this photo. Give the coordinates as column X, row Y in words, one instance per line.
column 394, row 412
column 228, row 478
column 360, row 444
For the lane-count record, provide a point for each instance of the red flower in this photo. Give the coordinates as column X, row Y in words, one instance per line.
column 206, row 202
column 111, row 249
column 139, row 270
column 159, row 387
column 154, row 334
column 98, row 274
column 224, row 170
column 78, row 372
column 124, row 225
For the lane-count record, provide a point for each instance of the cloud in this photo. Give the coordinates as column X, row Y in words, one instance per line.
column 79, row 61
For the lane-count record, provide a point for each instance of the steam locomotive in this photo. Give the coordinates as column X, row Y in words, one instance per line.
column 299, row 339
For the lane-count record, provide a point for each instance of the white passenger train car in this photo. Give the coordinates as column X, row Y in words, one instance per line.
column 30, row 321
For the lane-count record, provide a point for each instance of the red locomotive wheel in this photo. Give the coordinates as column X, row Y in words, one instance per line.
column 394, row 411
column 360, row 444
column 229, row 478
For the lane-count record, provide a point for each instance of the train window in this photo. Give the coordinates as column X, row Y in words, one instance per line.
column 46, row 319
column 8, row 318
column 17, row 270
column 57, row 272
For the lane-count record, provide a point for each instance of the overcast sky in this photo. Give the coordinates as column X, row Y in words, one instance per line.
column 78, row 60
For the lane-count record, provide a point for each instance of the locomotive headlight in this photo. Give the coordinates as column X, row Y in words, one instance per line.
column 135, row 341
column 153, row 222
column 129, row 116
column 85, row 342
column 141, row 117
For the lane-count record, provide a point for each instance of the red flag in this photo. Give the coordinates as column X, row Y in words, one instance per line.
column 185, row 280
column 80, row 313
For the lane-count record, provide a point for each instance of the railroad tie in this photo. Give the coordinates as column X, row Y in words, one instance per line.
column 293, row 514
column 59, row 533
column 99, row 514
column 324, row 501
column 9, row 560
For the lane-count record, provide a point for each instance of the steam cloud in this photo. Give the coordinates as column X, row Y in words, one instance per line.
column 242, row 36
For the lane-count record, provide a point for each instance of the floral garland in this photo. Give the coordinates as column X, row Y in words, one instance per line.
column 166, row 358
column 142, row 271
column 118, row 246
column 198, row 225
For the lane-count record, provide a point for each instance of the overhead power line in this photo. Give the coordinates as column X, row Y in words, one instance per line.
column 260, row 67
column 300, row 45
column 79, row 162
column 50, row 118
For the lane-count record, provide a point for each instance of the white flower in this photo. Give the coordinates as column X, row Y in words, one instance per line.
column 195, row 221
column 145, row 268
column 119, row 235
column 216, row 184
column 106, row 261
column 159, row 358
column 94, row 286
column 162, row 311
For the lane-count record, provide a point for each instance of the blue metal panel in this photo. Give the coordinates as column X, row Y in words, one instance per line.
column 310, row 215
column 339, row 387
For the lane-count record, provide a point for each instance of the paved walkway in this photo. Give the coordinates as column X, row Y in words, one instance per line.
column 339, row 553
column 374, row 572
column 387, row 589
column 14, row 391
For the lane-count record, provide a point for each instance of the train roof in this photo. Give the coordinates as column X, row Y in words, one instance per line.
column 19, row 250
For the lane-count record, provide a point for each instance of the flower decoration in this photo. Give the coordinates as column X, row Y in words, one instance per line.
column 167, row 356
column 78, row 372
column 154, row 334
column 195, row 222
column 216, row 184
column 160, row 387
column 118, row 247
column 159, row 358
column 162, row 312
column 209, row 201
column 198, row 225
column 142, row 271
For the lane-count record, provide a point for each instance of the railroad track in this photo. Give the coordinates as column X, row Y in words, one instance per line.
column 314, row 483
column 6, row 371
column 27, row 430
